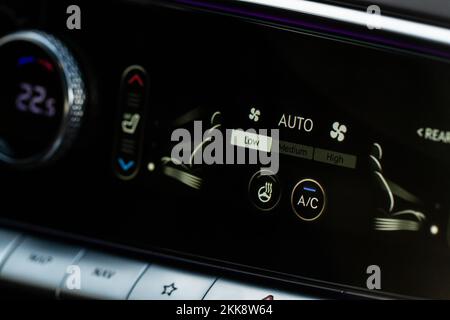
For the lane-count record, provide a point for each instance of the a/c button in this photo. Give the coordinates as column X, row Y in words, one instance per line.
column 308, row 200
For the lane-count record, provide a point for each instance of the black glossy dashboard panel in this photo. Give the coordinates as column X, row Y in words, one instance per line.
column 359, row 177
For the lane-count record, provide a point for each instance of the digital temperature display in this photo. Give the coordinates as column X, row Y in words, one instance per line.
column 32, row 95
column 34, row 99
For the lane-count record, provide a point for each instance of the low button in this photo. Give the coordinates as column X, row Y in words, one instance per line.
column 162, row 283
column 105, row 277
column 308, row 200
column 264, row 190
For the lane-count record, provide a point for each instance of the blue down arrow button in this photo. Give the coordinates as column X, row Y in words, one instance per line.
column 126, row 165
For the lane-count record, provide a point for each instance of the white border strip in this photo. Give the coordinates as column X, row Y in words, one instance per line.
column 396, row 25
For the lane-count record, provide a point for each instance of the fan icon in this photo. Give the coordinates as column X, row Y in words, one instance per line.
column 254, row 114
column 338, row 132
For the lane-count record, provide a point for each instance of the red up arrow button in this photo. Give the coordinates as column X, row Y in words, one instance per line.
column 136, row 78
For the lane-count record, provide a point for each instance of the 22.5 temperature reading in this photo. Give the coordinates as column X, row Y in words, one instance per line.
column 34, row 99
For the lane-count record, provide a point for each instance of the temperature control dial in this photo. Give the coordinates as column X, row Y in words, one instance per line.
column 42, row 98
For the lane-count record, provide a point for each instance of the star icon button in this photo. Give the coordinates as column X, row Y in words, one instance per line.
column 169, row 289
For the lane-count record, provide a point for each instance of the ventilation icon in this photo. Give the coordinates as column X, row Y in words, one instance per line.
column 254, row 114
column 338, row 132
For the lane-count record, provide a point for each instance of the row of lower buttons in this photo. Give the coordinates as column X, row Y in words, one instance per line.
column 72, row 271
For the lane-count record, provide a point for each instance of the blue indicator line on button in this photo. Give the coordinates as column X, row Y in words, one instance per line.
column 25, row 60
column 309, row 189
column 126, row 165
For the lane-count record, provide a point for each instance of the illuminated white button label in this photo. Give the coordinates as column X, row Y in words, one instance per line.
column 435, row 135
column 251, row 140
column 296, row 123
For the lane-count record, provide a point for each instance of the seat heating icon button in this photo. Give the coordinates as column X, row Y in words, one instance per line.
column 133, row 101
column 308, row 200
column 264, row 190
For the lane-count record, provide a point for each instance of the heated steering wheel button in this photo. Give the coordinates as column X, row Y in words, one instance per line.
column 264, row 190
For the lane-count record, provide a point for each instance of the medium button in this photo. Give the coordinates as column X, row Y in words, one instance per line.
column 308, row 200
column 106, row 277
column 161, row 283
column 8, row 240
column 264, row 190
column 41, row 264
column 231, row 290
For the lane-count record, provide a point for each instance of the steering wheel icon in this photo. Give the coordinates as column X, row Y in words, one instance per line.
column 265, row 193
